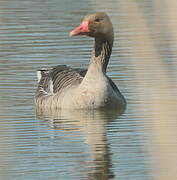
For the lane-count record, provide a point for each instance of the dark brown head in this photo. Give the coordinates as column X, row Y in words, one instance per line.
column 95, row 25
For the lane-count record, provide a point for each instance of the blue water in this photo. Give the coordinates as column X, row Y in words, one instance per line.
column 65, row 145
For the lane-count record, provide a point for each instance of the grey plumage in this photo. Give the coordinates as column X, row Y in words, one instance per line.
column 65, row 87
column 58, row 78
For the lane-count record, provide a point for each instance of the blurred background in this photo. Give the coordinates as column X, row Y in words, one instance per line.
column 137, row 144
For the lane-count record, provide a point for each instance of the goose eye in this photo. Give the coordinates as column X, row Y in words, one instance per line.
column 97, row 20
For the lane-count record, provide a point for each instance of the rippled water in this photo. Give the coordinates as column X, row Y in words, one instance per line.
column 74, row 144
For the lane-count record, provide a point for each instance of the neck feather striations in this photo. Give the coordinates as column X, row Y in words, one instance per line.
column 102, row 52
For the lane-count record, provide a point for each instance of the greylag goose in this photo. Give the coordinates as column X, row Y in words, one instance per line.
column 72, row 88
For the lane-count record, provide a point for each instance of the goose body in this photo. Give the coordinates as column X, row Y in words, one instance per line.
column 65, row 87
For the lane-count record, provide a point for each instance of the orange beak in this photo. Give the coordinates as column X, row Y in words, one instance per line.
column 80, row 30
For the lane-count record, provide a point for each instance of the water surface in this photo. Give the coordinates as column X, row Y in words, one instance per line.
column 76, row 144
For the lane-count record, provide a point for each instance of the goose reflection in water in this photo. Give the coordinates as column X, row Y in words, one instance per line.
column 93, row 124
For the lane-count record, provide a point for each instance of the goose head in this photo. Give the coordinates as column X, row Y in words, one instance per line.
column 95, row 25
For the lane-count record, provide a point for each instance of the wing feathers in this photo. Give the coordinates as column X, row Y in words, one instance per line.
column 58, row 78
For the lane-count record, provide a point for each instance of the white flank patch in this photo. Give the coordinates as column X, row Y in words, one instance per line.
column 39, row 75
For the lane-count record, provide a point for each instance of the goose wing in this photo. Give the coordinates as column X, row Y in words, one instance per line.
column 55, row 79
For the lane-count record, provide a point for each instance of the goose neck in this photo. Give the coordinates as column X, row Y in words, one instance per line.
column 102, row 52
